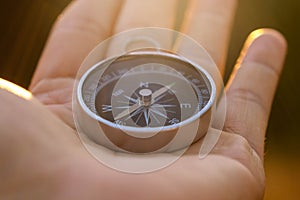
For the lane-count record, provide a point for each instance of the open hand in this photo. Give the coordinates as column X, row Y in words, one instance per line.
column 42, row 158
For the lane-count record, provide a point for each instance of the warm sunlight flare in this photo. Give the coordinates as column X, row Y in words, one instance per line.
column 15, row 89
column 254, row 35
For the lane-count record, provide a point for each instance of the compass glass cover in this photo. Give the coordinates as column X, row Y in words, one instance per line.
column 146, row 90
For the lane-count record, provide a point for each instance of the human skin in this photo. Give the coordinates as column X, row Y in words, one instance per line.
column 42, row 158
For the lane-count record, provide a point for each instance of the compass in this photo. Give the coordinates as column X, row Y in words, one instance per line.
column 145, row 101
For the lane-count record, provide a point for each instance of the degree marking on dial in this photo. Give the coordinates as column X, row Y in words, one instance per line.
column 118, row 92
column 144, row 84
column 174, row 121
column 106, row 108
column 185, row 105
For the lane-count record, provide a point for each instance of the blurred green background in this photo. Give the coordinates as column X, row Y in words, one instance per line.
column 25, row 25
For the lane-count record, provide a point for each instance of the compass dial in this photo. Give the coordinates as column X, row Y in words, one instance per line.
column 146, row 91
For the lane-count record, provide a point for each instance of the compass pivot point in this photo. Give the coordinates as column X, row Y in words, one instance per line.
column 145, row 96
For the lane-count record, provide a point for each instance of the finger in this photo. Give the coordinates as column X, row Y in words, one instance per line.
column 209, row 23
column 56, row 95
column 252, row 86
column 82, row 26
column 138, row 14
column 29, row 131
column 231, row 146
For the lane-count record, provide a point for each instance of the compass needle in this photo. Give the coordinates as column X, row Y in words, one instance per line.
column 139, row 117
column 162, row 90
column 131, row 99
column 157, row 99
column 138, row 111
column 163, row 106
column 127, row 111
column 154, row 117
column 159, row 113
column 146, row 116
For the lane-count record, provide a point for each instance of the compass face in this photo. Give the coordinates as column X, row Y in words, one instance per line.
column 146, row 90
column 163, row 110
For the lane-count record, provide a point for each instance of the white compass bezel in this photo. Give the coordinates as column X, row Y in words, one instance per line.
column 148, row 129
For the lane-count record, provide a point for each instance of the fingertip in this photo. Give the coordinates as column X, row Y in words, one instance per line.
column 267, row 47
column 275, row 34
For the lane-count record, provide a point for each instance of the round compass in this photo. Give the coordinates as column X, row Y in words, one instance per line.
column 146, row 101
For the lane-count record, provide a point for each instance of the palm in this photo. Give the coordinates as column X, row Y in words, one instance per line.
column 68, row 162
column 234, row 168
